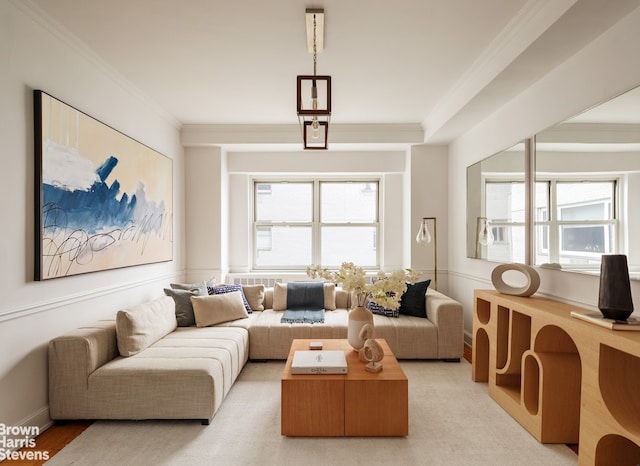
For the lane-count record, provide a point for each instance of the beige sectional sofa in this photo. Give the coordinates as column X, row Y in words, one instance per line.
column 142, row 366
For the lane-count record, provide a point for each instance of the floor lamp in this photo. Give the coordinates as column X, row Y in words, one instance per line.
column 424, row 238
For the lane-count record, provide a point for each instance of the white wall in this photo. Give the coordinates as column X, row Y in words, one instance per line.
column 605, row 68
column 35, row 54
column 429, row 181
column 206, row 213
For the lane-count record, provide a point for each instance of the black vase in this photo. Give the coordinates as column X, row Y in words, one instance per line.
column 614, row 300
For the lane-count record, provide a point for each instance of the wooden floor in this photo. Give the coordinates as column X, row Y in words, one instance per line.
column 58, row 436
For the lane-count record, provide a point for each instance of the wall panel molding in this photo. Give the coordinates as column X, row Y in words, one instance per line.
column 75, row 298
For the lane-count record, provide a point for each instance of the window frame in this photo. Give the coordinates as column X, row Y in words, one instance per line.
column 554, row 250
column 316, row 224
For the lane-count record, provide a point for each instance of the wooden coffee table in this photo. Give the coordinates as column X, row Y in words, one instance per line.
column 359, row 404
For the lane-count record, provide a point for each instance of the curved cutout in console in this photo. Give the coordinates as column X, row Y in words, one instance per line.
column 619, row 378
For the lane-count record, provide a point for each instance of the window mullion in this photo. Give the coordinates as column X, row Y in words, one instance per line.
column 316, row 233
column 554, row 227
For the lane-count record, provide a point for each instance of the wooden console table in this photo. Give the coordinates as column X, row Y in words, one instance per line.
column 358, row 403
column 562, row 379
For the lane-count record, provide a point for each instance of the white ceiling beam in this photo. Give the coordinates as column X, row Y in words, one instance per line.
column 229, row 134
column 533, row 19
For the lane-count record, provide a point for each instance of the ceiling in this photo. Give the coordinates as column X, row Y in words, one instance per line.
column 441, row 64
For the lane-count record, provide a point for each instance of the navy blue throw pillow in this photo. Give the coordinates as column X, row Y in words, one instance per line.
column 222, row 289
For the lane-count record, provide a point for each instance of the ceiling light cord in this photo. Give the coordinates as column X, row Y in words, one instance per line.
column 314, row 89
column 315, row 48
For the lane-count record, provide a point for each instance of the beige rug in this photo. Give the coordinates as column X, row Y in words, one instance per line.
column 452, row 421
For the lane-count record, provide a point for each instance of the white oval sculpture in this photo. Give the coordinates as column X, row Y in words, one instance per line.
column 533, row 280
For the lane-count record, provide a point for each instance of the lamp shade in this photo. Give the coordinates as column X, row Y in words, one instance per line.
column 485, row 236
column 424, row 235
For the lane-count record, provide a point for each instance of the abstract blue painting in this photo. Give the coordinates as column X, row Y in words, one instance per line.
column 103, row 200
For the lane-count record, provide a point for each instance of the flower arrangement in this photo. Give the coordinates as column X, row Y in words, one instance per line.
column 385, row 290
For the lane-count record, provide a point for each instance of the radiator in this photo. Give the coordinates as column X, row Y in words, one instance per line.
column 248, row 279
column 270, row 280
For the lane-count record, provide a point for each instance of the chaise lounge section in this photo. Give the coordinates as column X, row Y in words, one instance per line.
column 184, row 374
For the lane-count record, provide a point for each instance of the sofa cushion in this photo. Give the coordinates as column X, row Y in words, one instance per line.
column 413, row 302
column 184, row 308
column 280, row 296
column 218, row 308
column 144, row 324
column 255, row 296
column 222, row 289
column 271, row 339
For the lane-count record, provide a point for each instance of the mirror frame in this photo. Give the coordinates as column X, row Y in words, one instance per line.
column 515, row 171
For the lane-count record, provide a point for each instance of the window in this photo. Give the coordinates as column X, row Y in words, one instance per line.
column 582, row 226
column 297, row 223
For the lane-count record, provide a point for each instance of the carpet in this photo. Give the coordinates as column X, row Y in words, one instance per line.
column 452, row 421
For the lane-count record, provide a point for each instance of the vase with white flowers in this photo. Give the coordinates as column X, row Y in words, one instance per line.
column 385, row 289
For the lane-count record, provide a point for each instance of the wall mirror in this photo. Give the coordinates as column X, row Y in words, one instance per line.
column 587, row 188
column 585, row 194
column 496, row 206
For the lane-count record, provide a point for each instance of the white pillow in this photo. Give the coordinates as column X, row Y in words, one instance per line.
column 330, row 296
column 144, row 324
column 255, row 296
column 217, row 308
column 280, row 296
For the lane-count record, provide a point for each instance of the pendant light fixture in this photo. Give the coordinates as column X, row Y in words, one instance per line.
column 314, row 91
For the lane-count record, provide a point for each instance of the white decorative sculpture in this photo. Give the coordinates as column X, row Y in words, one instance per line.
column 371, row 352
column 533, row 280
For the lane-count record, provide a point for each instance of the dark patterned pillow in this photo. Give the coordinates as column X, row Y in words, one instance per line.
column 380, row 310
column 376, row 308
column 222, row 289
